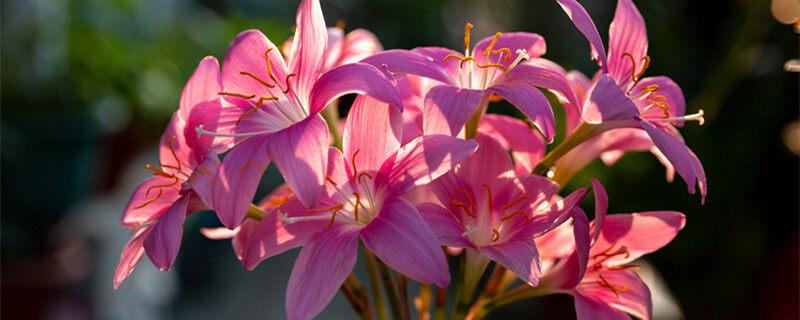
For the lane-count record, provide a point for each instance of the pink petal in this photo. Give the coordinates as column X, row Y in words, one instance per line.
column 546, row 74
column 445, row 225
column 681, row 157
column 489, row 163
column 202, row 179
column 334, row 48
column 273, row 236
column 528, row 147
column 130, row 256
column 626, row 35
column 559, row 212
column 301, row 154
column 448, row 108
column 319, row 270
column 220, row 233
column 246, row 54
column 174, row 152
column 640, row 233
column 519, row 256
column 238, row 178
column 570, row 270
column 531, row 102
column 373, row 132
column 164, row 241
column 607, row 102
column 586, row 26
column 203, row 85
column 600, row 207
column 668, row 91
column 423, row 160
column 635, row 300
column 336, row 166
column 590, row 308
column 308, row 49
column 360, row 78
column 149, row 201
column 359, row 44
column 211, row 116
column 532, row 43
column 401, row 239
column 410, row 62
column 243, row 237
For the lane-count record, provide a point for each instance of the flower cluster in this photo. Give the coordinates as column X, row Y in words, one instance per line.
column 419, row 172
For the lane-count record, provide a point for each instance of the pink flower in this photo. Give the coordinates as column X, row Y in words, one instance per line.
column 271, row 112
column 597, row 272
column 467, row 82
column 363, row 200
column 344, row 49
column 619, row 97
column 180, row 186
column 490, row 208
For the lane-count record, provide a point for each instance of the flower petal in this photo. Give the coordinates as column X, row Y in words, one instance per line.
column 333, row 49
column 586, row 26
column 448, row 108
column 546, row 74
column 308, row 49
column 247, row 54
column 164, row 241
column 237, row 179
column 202, row 179
column 634, row 300
column 401, row 239
column 372, row 133
column 445, row 225
column 301, row 154
column 319, row 270
column 130, row 256
column 359, row 44
column 399, row 61
column 607, row 102
column 519, row 256
column 423, row 160
column 203, row 85
column 681, row 157
column 528, row 147
column 360, row 78
column 531, row 102
column 273, row 236
column 668, row 92
column 149, row 201
column 600, row 208
column 640, row 233
column 489, row 163
column 532, row 43
column 627, row 35
column 591, row 308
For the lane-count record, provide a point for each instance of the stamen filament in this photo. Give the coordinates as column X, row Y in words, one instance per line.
column 692, row 117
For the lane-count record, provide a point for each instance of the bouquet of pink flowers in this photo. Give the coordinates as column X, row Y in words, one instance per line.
column 418, row 170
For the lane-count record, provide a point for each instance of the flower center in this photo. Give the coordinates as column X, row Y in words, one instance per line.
column 489, row 69
column 485, row 224
column 177, row 169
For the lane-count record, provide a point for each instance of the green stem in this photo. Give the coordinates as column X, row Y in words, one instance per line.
column 255, row 213
column 471, row 128
column 391, row 291
column 472, row 268
column 357, row 296
column 485, row 306
column 583, row 132
column 331, row 116
column 402, row 291
column 374, row 277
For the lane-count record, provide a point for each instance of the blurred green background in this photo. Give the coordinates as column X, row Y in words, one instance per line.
column 87, row 87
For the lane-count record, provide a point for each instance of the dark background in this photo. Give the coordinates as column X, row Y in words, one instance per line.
column 87, row 87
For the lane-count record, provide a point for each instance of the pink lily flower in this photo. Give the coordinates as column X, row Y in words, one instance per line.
column 597, row 272
column 180, row 186
column 493, row 210
column 344, row 49
column 363, row 200
column 272, row 112
column 469, row 81
column 620, row 97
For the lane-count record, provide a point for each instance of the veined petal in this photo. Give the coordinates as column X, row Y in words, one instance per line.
column 301, row 154
column 334, row 48
column 423, row 160
column 634, row 300
column 372, row 133
column 273, row 236
column 586, row 26
column 399, row 61
column 640, row 233
column 149, row 201
column 532, row 43
column 319, row 270
column 667, row 94
column 237, row 179
column 359, row 44
column 627, row 35
column 591, row 308
column 528, row 147
column 445, row 225
column 681, row 157
column 360, row 78
column 489, row 163
column 401, row 239
column 202, row 179
column 448, row 108
column 164, row 241
column 308, row 49
column 130, row 256
column 600, row 207
column 531, row 102
column 247, row 54
column 546, row 74
column 518, row 255
column 203, row 85
column 606, row 102
column 569, row 271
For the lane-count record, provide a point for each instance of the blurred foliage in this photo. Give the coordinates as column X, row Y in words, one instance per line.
column 88, row 84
